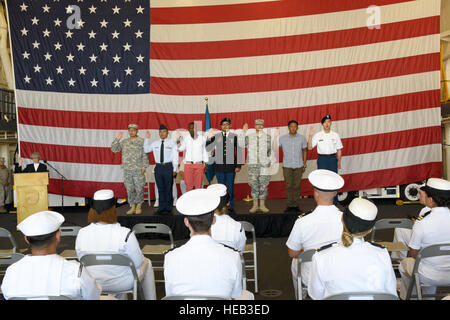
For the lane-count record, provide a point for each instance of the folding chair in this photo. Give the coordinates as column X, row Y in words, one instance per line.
column 305, row 256
column 362, row 296
column 69, row 231
column 42, row 298
column 435, row 250
column 6, row 234
column 158, row 250
column 250, row 248
column 189, row 297
column 115, row 260
column 384, row 224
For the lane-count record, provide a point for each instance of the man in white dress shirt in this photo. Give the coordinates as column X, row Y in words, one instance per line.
column 318, row 228
column 226, row 230
column 203, row 266
column 44, row 273
column 196, row 156
column 166, row 157
column 429, row 230
column 329, row 147
column 105, row 235
column 352, row 265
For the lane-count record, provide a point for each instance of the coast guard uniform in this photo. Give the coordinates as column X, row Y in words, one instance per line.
column 203, row 266
column 226, row 230
column 48, row 275
column 429, row 230
column 318, row 228
column 360, row 267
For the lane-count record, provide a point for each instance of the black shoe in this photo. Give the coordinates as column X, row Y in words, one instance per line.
column 231, row 211
column 292, row 210
column 161, row 212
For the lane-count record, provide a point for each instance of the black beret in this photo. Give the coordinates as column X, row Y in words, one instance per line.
column 325, row 118
column 225, row 120
column 163, row 127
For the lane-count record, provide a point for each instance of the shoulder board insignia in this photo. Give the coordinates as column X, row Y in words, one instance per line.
column 167, row 251
column 377, row 245
column 128, row 235
column 424, row 215
column 234, row 249
column 305, row 214
column 325, row 247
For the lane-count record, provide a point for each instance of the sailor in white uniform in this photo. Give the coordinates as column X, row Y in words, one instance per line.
column 319, row 227
column 403, row 235
column 203, row 266
column 44, row 273
column 352, row 265
column 105, row 235
column 428, row 230
column 226, row 230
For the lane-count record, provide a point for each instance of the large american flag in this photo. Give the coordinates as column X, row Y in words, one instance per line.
column 86, row 69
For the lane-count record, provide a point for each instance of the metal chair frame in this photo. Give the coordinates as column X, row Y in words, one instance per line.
column 4, row 233
column 362, row 296
column 69, row 231
column 305, row 256
column 251, row 264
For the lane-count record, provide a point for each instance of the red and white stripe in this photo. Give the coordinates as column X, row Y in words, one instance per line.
column 276, row 60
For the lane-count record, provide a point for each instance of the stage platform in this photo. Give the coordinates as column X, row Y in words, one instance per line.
column 274, row 224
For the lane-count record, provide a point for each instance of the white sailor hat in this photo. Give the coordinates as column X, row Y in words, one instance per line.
column 103, row 200
column 438, row 187
column 360, row 215
column 219, row 188
column 325, row 180
column 41, row 223
column 198, row 202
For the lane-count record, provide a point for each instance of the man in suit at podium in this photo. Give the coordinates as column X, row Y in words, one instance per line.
column 33, row 167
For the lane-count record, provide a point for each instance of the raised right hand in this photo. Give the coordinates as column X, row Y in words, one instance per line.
column 245, row 127
column 19, row 161
column 311, row 131
column 120, row 135
column 147, row 134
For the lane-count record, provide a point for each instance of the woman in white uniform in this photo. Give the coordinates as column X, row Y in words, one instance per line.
column 352, row 265
column 105, row 235
column 226, row 230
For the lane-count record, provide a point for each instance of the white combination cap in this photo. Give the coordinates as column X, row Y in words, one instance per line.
column 437, row 187
column 41, row 223
column 219, row 188
column 326, row 180
column 104, row 194
column 360, row 215
column 197, row 202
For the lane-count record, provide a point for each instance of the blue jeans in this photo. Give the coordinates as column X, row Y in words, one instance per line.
column 227, row 178
column 328, row 163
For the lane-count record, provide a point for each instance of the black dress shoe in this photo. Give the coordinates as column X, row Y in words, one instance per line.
column 292, row 210
column 161, row 212
column 231, row 211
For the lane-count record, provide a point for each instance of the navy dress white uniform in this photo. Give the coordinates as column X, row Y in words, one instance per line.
column 356, row 266
column 226, row 230
column 115, row 239
column 47, row 275
column 318, row 228
column 166, row 157
column 431, row 229
column 203, row 266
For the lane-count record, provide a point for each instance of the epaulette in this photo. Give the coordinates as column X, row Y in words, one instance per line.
column 128, row 235
column 230, row 247
column 377, row 245
column 167, row 251
column 325, row 246
column 305, row 214
column 424, row 215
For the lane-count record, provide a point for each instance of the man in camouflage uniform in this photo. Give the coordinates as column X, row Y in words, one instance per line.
column 134, row 163
column 4, row 184
column 259, row 158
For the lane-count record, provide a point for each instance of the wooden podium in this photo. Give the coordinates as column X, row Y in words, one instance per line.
column 31, row 193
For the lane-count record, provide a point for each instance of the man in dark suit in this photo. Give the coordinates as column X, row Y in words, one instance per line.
column 33, row 167
column 228, row 157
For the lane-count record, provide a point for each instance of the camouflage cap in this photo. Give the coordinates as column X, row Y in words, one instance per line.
column 259, row 121
column 132, row 125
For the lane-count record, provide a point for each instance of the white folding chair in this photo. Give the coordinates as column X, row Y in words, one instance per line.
column 362, row 296
column 384, row 224
column 250, row 248
column 155, row 249
column 193, row 297
column 6, row 234
column 435, row 250
column 115, row 260
column 69, row 231
column 305, row 256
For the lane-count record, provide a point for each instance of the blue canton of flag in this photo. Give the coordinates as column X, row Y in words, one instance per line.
column 81, row 46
